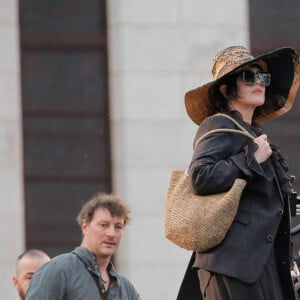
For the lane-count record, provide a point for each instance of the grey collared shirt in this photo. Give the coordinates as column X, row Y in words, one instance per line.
column 66, row 277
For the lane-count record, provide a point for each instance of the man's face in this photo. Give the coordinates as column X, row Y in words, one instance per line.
column 26, row 268
column 103, row 234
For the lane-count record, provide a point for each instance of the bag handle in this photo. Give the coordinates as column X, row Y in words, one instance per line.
column 234, row 121
column 242, row 130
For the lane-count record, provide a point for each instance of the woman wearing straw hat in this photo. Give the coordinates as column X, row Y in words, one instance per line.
column 253, row 261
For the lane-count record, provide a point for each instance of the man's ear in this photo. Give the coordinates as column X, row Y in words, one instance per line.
column 223, row 90
column 15, row 281
column 84, row 226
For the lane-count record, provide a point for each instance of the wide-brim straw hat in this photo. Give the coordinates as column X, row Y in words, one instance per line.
column 284, row 66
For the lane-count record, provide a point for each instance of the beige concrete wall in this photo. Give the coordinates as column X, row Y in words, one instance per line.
column 11, row 174
column 157, row 51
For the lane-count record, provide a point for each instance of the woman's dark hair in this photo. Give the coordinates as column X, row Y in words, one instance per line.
column 217, row 99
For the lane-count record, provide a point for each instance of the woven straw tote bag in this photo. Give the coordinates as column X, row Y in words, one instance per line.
column 196, row 222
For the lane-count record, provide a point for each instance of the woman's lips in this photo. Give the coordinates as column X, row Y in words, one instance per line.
column 258, row 91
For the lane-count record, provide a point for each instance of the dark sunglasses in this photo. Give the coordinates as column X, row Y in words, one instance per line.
column 249, row 78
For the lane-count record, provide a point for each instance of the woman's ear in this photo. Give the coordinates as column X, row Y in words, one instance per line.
column 223, row 90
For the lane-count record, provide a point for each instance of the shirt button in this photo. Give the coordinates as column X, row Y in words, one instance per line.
column 280, row 212
column 269, row 238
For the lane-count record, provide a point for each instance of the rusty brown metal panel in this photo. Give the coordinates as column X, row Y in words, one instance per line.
column 58, row 82
column 274, row 24
column 66, row 147
column 62, row 19
column 65, row 116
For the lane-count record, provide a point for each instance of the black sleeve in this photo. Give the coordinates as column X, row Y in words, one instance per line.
column 221, row 158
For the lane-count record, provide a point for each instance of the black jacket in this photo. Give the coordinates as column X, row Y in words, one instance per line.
column 263, row 218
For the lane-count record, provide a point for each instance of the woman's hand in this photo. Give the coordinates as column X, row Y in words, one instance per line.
column 264, row 150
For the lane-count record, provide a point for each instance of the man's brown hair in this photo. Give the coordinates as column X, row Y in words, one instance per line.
column 110, row 202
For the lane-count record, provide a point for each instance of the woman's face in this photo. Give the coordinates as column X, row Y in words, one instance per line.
column 249, row 96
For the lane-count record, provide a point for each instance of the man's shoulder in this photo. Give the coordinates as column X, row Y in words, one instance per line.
column 125, row 282
column 62, row 261
column 128, row 287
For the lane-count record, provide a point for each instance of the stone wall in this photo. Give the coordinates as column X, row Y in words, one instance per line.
column 11, row 174
column 157, row 51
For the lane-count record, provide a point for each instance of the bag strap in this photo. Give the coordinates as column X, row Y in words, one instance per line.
column 233, row 121
column 242, row 130
column 92, row 273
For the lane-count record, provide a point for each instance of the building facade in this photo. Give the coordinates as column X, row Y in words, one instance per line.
column 155, row 52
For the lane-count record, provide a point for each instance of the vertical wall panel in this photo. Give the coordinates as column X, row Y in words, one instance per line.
column 275, row 24
column 65, row 116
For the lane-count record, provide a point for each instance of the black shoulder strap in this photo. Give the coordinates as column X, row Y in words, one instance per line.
column 94, row 276
column 241, row 130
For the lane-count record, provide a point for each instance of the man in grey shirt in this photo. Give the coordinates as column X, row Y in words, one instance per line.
column 87, row 272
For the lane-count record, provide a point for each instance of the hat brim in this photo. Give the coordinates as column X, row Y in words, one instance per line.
column 284, row 66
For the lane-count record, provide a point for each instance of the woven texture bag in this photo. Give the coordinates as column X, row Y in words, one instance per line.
column 196, row 222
